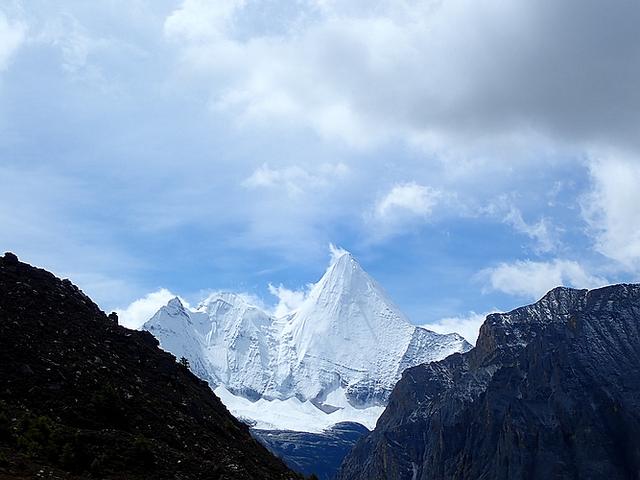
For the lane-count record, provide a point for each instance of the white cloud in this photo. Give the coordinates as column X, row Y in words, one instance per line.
column 404, row 207
column 289, row 178
column 12, row 35
column 408, row 198
column 201, row 19
column 144, row 308
column 612, row 209
column 365, row 72
column 288, row 300
column 533, row 279
column 541, row 231
column 468, row 326
column 294, row 179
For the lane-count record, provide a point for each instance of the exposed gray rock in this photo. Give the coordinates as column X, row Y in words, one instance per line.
column 552, row 390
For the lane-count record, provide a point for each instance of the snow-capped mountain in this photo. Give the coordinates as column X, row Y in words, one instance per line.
column 336, row 357
column 348, row 334
column 226, row 340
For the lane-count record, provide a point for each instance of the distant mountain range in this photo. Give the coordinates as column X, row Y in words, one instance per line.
column 551, row 390
column 313, row 453
column 334, row 359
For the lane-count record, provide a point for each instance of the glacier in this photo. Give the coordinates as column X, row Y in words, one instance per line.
column 333, row 359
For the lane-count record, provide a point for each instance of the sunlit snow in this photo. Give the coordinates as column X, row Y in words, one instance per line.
column 293, row 414
column 344, row 347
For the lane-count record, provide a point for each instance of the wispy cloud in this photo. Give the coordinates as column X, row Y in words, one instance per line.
column 288, row 300
column 294, row 179
column 541, row 232
column 532, row 279
column 336, row 252
column 12, row 35
column 409, row 198
column 402, row 207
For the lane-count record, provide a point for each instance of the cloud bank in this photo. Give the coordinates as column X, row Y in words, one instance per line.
column 423, row 70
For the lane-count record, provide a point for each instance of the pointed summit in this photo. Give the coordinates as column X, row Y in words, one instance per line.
column 175, row 304
column 337, row 252
column 346, row 305
column 345, row 299
column 345, row 279
column 349, row 325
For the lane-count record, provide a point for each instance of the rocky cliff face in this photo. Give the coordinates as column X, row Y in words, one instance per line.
column 551, row 390
column 81, row 397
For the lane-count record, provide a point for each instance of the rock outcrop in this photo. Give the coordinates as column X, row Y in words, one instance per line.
column 551, row 390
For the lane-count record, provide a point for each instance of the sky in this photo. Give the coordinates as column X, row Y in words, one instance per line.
column 471, row 154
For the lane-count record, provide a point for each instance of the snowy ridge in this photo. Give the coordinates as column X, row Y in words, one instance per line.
column 336, row 358
column 225, row 339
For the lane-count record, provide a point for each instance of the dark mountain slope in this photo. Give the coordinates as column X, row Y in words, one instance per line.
column 552, row 390
column 83, row 397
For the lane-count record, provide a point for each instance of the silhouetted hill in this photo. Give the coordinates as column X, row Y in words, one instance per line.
column 81, row 397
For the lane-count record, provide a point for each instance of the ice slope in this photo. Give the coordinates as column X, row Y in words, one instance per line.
column 349, row 334
column 335, row 358
column 226, row 340
column 174, row 326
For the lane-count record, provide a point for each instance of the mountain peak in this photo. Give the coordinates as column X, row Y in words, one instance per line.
column 232, row 299
column 10, row 258
column 346, row 260
column 337, row 253
column 175, row 307
column 344, row 279
column 175, row 303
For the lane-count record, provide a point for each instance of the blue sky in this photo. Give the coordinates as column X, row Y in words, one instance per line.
column 471, row 155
